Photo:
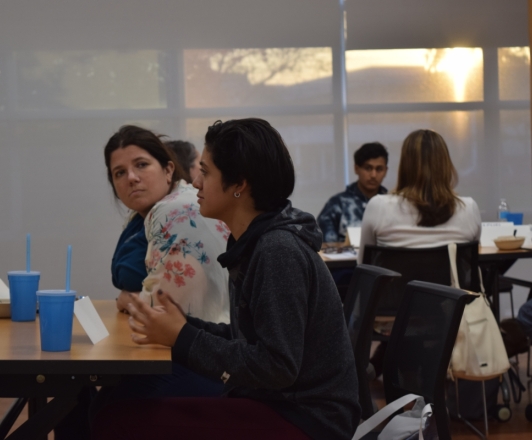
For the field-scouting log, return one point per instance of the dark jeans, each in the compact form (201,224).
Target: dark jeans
(193,418)
(342,278)
(181,383)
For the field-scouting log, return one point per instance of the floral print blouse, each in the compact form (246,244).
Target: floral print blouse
(183,247)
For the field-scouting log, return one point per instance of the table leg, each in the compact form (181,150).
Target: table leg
(43,418)
(495,295)
(491,284)
(11,416)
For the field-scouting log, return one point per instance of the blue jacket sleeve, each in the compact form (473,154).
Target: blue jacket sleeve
(128,267)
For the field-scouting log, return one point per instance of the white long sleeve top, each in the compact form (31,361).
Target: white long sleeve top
(391,220)
(183,247)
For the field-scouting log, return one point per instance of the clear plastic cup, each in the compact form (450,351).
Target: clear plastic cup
(22,290)
(56,314)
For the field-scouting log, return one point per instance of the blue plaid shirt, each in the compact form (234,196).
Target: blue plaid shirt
(343,210)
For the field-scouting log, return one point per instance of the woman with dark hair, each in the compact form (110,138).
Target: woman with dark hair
(168,239)
(166,244)
(286,359)
(181,245)
(423,210)
(187,156)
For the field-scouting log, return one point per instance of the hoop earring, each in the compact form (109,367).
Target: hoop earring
(237,195)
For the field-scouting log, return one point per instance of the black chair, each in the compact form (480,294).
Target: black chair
(506,286)
(421,345)
(423,264)
(360,305)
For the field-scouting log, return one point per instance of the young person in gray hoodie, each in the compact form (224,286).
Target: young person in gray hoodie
(285,358)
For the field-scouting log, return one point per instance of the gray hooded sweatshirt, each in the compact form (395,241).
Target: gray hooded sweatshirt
(287,344)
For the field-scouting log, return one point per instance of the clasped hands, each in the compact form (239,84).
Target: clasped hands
(155,325)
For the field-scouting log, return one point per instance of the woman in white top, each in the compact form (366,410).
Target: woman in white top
(423,210)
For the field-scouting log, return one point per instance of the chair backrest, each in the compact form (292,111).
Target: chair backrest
(360,305)
(423,264)
(421,343)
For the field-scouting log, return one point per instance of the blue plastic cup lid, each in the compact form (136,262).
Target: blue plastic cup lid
(16,273)
(56,293)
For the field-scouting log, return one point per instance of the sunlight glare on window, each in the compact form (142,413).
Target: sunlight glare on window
(458,63)
(414,75)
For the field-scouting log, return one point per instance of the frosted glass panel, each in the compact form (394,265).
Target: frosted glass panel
(514,159)
(463,132)
(514,73)
(414,75)
(90,80)
(247,77)
(310,140)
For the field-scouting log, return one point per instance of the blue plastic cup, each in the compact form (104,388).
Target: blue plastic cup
(22,290)
(515,217)
(56,314)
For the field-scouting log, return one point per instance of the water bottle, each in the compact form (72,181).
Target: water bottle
(502,210)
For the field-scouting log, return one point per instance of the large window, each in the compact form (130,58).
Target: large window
(414,75)
(478,99)
(290,87)
(454,92)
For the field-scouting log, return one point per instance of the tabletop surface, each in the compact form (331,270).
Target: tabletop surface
(486,250)
(483,252)
(20,344)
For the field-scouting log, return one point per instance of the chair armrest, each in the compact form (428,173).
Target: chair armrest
(519,282)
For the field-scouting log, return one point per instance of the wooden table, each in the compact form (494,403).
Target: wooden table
(28,372)
(338,264)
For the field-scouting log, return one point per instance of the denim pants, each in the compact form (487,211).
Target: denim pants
(181,383)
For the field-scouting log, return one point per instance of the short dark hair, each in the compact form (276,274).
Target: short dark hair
(147,140)
(252,150)
(185,153)
(371,150)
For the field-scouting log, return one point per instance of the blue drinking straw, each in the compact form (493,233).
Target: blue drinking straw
(28,253)
(69,260)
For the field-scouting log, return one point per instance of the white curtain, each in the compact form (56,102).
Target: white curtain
(73,72)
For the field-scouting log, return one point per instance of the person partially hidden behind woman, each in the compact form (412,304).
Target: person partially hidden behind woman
(286,359)
(423,210)
(187,156)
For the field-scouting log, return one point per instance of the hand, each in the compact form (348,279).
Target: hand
(123,299)
(160,325)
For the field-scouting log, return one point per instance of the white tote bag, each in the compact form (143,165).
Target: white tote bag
(479,349)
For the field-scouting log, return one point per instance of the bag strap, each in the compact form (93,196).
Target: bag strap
(425,414)
(451,248)
(379,417)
